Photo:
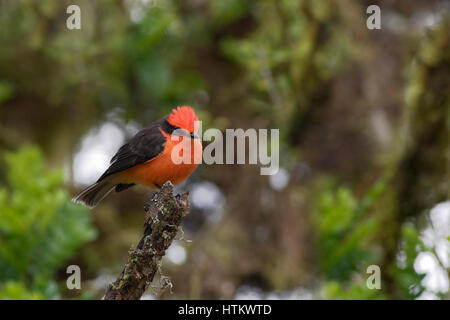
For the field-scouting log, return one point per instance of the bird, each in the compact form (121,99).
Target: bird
(146,159)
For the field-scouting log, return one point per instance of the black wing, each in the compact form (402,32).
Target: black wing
(145,145)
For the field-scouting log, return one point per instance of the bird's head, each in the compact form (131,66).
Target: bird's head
(184,118)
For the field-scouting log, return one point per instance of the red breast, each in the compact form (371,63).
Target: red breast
(161,169)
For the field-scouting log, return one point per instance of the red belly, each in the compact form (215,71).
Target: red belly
(161,169)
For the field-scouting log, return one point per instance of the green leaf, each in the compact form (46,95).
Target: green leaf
(40,228)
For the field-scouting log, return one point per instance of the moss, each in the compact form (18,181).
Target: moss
(163,217)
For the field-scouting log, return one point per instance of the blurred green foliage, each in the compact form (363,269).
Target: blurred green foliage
(287,59)
(345,231)
(309,68)
(345,235)
(341,237)
(40,228)
(409,281)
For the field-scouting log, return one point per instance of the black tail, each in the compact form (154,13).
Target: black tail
(92,195)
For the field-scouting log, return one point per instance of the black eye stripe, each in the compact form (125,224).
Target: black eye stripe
(167,127)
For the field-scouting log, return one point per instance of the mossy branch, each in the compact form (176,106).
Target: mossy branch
(164,214)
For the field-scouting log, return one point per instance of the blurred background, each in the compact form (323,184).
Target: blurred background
(364,119)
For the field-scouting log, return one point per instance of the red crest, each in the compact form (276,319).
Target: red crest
(183,117)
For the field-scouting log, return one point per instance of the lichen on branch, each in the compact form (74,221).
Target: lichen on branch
(164,215)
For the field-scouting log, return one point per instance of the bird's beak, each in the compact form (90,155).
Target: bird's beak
(181,133)
(184,133)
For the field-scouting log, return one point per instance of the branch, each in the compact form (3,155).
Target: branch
(164,214)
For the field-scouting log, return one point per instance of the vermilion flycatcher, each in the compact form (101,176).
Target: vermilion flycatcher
(147,158)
